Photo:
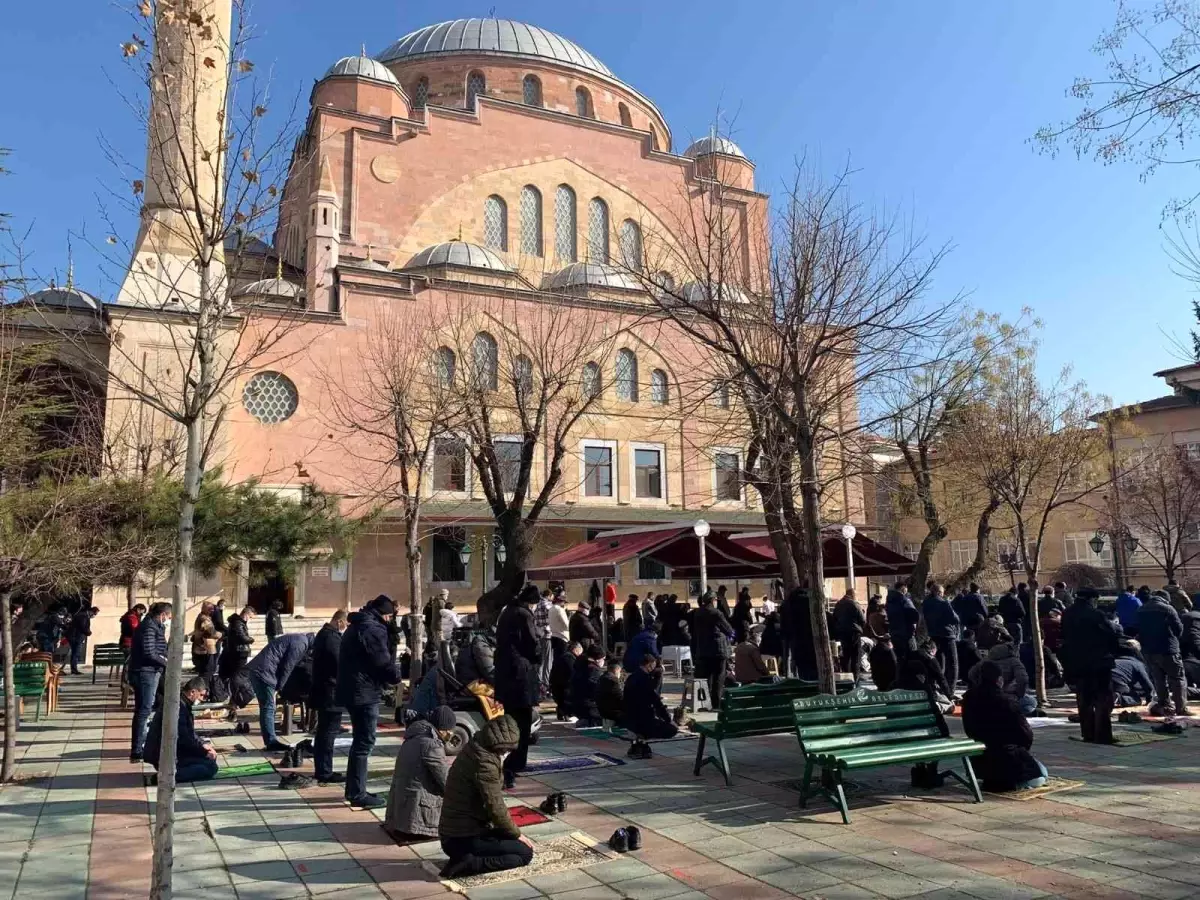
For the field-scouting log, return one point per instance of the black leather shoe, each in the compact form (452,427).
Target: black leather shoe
(560,801)
(619,841)
(634,834)
(549,805)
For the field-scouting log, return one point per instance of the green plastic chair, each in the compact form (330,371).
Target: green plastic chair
(30,679)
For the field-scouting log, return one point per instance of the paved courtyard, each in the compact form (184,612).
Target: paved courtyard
(78,826)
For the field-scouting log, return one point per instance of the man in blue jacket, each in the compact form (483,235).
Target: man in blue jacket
(269,671)
(195,759)
(365,667)
(902,618)
(1128,604)
(970,608)
(147,661)
(941,621)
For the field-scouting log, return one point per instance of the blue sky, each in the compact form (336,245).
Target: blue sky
(934,101)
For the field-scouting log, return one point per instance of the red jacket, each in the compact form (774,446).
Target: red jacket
(129,624)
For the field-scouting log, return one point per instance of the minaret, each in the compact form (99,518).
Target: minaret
(185,159)
(324,228)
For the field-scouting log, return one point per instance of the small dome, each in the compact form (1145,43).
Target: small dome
(459,253)
(278,288)
(708,145)
(695,293)
(593,274)
(62,298)
(362,67)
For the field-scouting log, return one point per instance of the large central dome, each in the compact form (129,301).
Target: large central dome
(502,37)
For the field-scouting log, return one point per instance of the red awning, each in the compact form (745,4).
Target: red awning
(870,557)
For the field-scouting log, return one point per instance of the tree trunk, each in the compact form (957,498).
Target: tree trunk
(10,692)
(164,809)
(1035,628)
(514,535)
(412,551)
(815,571)
(131,592)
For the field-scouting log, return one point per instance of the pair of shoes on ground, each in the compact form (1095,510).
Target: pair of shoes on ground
(1168,728)
(332,778)
(295,780)
(367,801)
(240,727)
(625,839)
(1128,717)
(554,803)
(640,750)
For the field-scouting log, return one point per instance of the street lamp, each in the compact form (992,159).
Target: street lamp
(464,554)
(701,531)
(1097,543)
(501,550)
(848,532)
(1131,545)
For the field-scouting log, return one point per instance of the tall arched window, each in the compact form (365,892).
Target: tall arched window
(485,359)
(627,376)
(660,393)
(591,381)
(623,112)
(523,378)
(564,224)
(444,364)
(495,223)
(653,139)
(476,85)
(531,90)
(531,220)
(631,245)
(597,231)
(583,103)
(421,93)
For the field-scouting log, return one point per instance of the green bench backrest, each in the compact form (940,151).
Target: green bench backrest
(756,707)
(108,655)
(863,718)
(29,674)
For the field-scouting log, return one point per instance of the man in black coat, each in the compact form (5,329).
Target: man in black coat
(970,607)
(995,719)
(518,655)
(1013,612)
(644,712)
(364,669)
(1189,645)
(581,628)
(78,632)
(848,626)
(195,759)
(1159,630)
(942,624)
(711,646)
(1088,651)
(326,649)
(903,617)
(631,618)
(147,662)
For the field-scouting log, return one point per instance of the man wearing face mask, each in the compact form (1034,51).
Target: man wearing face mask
(477,832)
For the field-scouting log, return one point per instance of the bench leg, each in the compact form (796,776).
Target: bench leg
(840,799)
(724,763)
(808,773)
(700,755)
(971,782)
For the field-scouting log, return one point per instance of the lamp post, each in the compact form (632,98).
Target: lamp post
(848,532)
(701,530)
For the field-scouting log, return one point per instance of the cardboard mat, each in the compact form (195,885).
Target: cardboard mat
(1052,786)
(557,854)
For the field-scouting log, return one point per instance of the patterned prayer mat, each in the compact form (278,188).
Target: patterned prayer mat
(572,763)
(1052,786)
(620,734)
(556,854)
(1133,738)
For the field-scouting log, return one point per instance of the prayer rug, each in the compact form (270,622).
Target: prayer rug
(557,854)
(620,734)
(1133,738)
(247,771)
(572,763)
(1052,786)
(524,816)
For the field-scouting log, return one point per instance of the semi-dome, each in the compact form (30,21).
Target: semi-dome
(500,37)
(696,293)
(279,288)
(362,67)
(459,253)
(61,298)
(708,145)
(590,274)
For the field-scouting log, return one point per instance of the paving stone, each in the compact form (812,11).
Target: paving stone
(513,890)
(619,870)
(799,879)
(651,887)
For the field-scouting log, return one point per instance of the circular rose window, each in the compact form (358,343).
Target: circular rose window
(270,397)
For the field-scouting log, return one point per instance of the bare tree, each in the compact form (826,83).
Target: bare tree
(1160,505)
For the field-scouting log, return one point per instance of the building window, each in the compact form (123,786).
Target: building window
(1077,550)
(508,461)
(597,231)
(485,359)
(583,103)
(444,362)
(531,90)
(912,551)
(495,223)
(727,472)
(631,245)
(447,562)
(962,554)
(531,220)
(421,93)
(1192,450)
(597,471)
(651,570)
(591,381)
(627,376)
(647,474)
(270,397)
(720,394)
(623,112)
(564,224)
(476,85)
(522,378)
(653,139)
(660,392)
(449,464)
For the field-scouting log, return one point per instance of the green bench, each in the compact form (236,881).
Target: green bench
(748,711)
(31,679)
(869,729)
(110,655)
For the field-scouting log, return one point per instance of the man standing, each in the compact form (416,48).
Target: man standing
(274,621)
(1128,604)
(582,629)
(560,625)
(517,667)
(541,622)
(195,759)
(269,671)
(848,625)
(326,649)
(902,618)
(941,621)
(970,608)
(147,662)
(711,647)
(364,668)
(129,624)
(1013,611)
(1159,630)
(1089,649)
(78,632)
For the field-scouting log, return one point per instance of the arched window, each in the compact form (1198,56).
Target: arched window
(495,223)
(623,112)
(631,245)
(591,381)
(420,93)
(597,231)
(523,378)
(531,89)
(485,359)
(627,376)
(660,393)
(653,139)
(564,224)
(444,364)
(583,103)
(531,220)
(476,85)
